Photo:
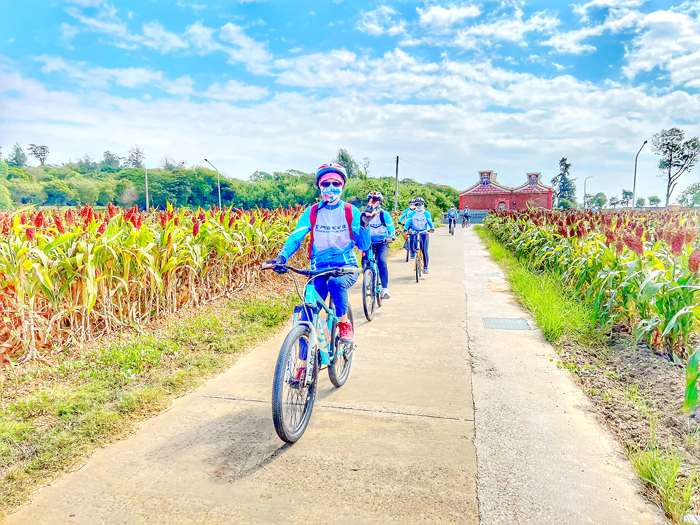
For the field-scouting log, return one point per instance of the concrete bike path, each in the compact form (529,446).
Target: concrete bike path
(394,444)
(542,455)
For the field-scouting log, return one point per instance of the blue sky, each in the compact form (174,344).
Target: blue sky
(452,87)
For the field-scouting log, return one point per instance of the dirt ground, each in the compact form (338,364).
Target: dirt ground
(639,395)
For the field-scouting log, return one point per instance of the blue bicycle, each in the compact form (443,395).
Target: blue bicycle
(371,285)
(312,343)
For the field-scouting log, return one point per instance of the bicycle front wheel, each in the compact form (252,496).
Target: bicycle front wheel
(339,370)
(292,399)
(368,297)
(419,264)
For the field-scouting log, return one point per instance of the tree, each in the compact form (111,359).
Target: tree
(587,200)
(110,160)
(641,202)
(169,163)
(677,156)
(18,158)
(41,153)
(600,199)
(626,197)
(614,202)
(564,187)
(86,165)
(346,161)
(690,196)
(366,164)
(135,157)
(654,200)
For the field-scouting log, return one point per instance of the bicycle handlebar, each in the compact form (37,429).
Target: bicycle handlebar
(315,273)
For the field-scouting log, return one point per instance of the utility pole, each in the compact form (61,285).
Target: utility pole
(218,180)
(396,187)
(146,174)
(634,186)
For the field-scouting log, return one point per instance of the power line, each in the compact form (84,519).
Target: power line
(431,171)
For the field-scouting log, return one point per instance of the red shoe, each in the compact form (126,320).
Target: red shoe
(347,334)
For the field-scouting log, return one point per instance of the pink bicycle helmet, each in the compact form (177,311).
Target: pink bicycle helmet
(331,167)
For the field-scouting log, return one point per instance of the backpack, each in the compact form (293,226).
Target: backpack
(314,215)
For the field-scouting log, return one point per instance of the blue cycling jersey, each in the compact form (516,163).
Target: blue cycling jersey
(419,221)
(378,231)
(452,214)
(404,215)
(333,246)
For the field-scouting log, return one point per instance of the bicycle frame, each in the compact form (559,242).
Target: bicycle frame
(370,260)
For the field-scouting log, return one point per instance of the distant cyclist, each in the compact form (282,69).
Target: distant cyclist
(336,228)
(402,221)
(452,217)
(466,216)
(382,231)
(419,220)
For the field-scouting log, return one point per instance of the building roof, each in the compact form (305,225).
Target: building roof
(487,185)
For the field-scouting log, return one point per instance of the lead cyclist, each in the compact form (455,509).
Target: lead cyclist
(338,228)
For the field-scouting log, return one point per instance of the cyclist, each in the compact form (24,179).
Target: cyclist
(382,231)
(420,221)
(452,217)
(466,216)
(336,228)
(403,219)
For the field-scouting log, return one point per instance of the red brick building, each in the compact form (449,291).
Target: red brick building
(487,194)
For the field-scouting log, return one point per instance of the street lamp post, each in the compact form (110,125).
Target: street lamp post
(634,185)
(584,189)
(218,180)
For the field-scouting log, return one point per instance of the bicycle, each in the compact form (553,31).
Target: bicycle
(371,285)
(313,342)
(466,222)
(452,226)
(414,240)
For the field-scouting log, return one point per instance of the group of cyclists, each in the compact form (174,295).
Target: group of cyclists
(337,227)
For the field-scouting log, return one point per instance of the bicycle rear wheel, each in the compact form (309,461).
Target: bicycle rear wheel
(368,297)
(339,370)
(292,401)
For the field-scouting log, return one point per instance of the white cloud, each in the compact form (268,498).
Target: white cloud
(234,90)
(436,16)
(668,40)
(100,77)
(68,32)
(157,37)
(86,3)
(583,9)
(513,28)
(195,6)
(252,53)
(382,20)
(572,41)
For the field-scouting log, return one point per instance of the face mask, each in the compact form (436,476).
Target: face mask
(419,208)
(412,206)
(330,193)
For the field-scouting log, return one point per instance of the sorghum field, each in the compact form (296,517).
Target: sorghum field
(639,269)
(70,276)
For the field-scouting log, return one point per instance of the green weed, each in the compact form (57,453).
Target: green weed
(662,472)
(103,393)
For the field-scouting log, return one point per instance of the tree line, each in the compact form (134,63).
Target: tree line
(678,156)
(122,180)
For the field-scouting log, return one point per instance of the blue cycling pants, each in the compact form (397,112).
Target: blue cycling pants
(381,254)
(338,289)
(422,237)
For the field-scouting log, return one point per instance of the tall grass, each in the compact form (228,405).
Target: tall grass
(559,312)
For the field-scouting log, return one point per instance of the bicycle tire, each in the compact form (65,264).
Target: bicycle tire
(378,288)
(280,401)
(408,252)
(339,375)
(368,295)
(418,264)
